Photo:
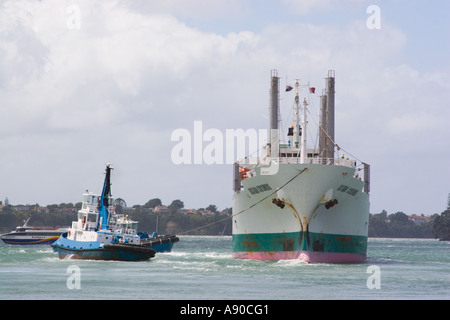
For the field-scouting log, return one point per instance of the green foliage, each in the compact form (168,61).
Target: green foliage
(398,225)
(153,203)
(441,226)
(175,205)
(212,208)
(176,223)
(10,220)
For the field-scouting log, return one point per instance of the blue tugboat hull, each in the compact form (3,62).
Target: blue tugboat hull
(166,247)
(159,243)
(94,250)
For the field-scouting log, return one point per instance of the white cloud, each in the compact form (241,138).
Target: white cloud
(203,9)
(307,6)
(116,88)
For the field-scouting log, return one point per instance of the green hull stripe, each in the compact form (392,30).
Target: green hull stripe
(299,241)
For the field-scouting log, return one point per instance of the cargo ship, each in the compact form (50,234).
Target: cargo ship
(298,201)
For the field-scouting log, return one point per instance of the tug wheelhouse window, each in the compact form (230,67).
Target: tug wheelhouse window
(92,217)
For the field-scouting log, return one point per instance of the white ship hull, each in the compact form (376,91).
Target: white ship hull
(304,229)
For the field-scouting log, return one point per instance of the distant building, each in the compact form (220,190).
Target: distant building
(419,219)
(42,210)
(161,209)
(21,208)
(67,210)
(205,212)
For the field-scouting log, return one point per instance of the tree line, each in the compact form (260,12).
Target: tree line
(194,222)
(398,225)
(169,223)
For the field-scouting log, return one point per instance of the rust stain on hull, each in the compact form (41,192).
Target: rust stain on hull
(297,216)
(346,239)
(288,244)
(250,244)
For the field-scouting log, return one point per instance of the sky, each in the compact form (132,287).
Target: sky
(84,83)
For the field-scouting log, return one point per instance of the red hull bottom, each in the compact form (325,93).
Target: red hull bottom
(305,256)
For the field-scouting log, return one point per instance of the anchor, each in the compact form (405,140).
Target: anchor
(279,203)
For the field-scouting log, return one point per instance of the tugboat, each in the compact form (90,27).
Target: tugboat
(100,233)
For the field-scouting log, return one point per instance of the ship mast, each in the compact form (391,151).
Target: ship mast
(104,200)
(303,152)
(296,123)
(299,132)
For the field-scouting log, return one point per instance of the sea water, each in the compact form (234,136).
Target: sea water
(202,268)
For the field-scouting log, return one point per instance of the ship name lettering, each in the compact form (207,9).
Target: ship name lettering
(350,191)
(260,188)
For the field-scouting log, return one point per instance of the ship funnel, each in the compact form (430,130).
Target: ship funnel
(326,139)
(274,144)
(330,107)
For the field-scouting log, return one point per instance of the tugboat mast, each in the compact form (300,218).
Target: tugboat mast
(104,200)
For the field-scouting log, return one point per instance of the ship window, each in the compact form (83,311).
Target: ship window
(92,199)
(92,217)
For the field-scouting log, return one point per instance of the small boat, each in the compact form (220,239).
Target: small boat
(162,243)
(27,235)
(100,233)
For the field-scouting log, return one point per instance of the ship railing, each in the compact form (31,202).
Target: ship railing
(317,160)
(252,162)
(362,170)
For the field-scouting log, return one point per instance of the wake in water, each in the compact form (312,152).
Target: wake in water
(203,268)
